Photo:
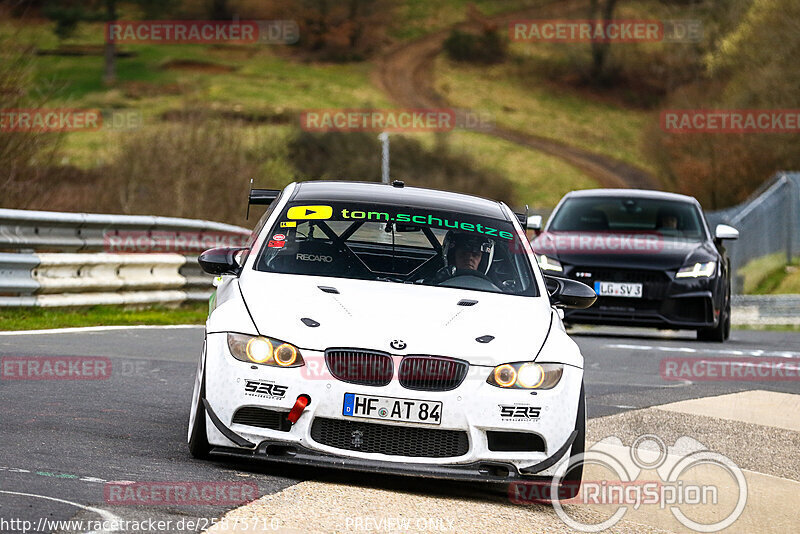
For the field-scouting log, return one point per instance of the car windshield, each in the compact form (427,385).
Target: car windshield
(398,244)
(670,218)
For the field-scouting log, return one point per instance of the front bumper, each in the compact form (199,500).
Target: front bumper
(687,311)
(472,409)
(666,302)
(491,472)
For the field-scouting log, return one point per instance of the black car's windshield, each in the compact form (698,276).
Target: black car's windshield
(398,244)
(670,218)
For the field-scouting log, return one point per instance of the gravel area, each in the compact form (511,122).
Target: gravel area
(763,449)
(316,507)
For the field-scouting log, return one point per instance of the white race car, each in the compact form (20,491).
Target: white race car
(390,329)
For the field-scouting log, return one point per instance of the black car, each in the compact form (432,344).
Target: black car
(649,256)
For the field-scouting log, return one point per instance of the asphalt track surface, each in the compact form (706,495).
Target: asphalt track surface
(64,439)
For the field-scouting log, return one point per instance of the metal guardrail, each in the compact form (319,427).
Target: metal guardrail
(80,259)
(768,223)
(765,309)
(93,232)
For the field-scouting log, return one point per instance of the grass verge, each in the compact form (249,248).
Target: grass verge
(769,275)
(769,327)
(527,104)
(43,318)
(538,179)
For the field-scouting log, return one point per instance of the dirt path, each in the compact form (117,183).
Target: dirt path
(406,74)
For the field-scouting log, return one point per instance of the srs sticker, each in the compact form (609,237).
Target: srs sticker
(288,224)
(279,237)
(510,412)
(310,212)
(264,389)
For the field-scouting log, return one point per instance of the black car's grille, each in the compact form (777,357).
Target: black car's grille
(431,373)
(363,367)
(389,439)
(623,304)
(625,275)
(655,283)
(262,418)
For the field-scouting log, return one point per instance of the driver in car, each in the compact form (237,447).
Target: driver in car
(667,220)
(467,257)
(465,254)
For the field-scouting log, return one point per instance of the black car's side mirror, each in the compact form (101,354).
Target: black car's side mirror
(566,293)
(219,261)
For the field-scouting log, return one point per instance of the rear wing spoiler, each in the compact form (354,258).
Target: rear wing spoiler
(260,197)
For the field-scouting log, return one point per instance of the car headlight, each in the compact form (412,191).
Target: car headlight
(526,375)
(549,264)
(698,270)
(264,350)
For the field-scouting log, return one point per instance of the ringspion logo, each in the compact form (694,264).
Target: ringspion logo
(687,479)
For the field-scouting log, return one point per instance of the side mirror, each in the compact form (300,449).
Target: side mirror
(566,293)
(219,261)
(723,231)
(534,223)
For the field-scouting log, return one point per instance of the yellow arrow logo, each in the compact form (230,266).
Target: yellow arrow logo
(309,212)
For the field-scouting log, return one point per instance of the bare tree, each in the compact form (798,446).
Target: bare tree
(110,50)
(600,48)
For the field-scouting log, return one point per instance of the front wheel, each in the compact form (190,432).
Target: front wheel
(722,331)
(198,439)
(570,484)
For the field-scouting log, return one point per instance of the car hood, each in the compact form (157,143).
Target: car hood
(608,249)
(370,315)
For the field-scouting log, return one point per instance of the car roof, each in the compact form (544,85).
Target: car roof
(379,193)
(637,193)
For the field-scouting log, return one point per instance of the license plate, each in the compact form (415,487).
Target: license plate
(616,289)
(392,409)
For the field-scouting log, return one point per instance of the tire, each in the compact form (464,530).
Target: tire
(198,443)
(570,484)
(722,331)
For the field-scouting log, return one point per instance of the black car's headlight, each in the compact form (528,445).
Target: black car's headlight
(547,263)
(264,351)
(526,375)
(698,270)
